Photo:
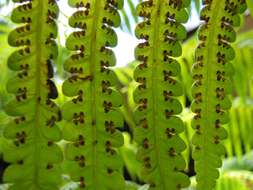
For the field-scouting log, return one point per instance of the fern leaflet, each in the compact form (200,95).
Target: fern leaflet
(32,130)
(158,126)
(212,72)
(92,116)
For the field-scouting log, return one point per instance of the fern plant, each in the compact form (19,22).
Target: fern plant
(212,72)
(158,126)
(92,116)
(32,129)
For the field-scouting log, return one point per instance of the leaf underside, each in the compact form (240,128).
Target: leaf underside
(158,126)
(32,130)
(92,115)
(212,72)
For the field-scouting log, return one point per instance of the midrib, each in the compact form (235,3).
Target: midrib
(39,22)
(209,62)
(155,65)
(93,62)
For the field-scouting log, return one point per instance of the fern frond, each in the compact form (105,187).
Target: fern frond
(93,114)
(158,125)
(33,153)
(212,75)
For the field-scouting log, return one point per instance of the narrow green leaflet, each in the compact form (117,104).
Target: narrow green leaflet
(92,115)
(158,126)
(32,129)
(212,72)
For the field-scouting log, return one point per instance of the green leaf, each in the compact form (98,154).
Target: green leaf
(197,5)
(157,125)
(126,19)
(92,115)
(32,130)
(132,9)
(212,72)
